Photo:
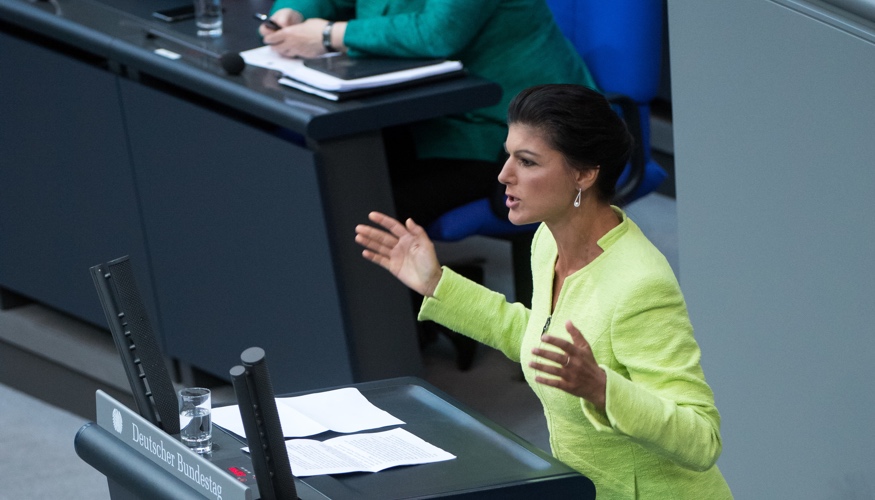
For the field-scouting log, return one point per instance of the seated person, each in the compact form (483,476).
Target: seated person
(446,162)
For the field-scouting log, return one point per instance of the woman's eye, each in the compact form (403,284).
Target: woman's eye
(526,162)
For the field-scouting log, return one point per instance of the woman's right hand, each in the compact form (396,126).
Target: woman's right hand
(402,249)
(282,17)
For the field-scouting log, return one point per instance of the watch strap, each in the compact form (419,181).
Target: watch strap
(326,37)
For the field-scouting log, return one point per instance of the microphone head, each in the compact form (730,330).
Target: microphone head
(232,63)
(252,356)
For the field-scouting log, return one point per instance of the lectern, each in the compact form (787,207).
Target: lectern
(491,463)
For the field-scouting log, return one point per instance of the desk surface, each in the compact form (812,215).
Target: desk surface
(116,29)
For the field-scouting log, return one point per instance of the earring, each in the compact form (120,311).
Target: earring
(577,198)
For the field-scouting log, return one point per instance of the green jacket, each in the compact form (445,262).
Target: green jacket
(659,436)
(514,43)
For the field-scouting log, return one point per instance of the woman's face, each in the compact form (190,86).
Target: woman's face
(539,185)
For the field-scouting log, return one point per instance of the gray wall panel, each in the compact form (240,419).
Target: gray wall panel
(773,129)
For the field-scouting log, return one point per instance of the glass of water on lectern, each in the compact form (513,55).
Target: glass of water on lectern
(195,419)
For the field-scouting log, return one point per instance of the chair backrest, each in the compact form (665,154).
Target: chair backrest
(620,41)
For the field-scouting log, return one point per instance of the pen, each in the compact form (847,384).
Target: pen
(267,21)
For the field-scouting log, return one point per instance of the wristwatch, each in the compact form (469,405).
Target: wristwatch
(326,37)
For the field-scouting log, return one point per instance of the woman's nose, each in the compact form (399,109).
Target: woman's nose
(506,174)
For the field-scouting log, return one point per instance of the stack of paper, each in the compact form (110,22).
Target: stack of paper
(345,411)
(297,75)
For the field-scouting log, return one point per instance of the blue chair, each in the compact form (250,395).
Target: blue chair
(621,42)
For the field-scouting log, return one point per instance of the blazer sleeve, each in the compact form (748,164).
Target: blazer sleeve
(441,29)
(478,312)
(656,392)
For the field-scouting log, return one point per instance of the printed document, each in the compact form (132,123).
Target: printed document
(361,453)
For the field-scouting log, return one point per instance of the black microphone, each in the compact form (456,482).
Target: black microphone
(231,62)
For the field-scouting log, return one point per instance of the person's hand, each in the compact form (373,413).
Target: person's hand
(579,373)
(282,18)
(302,39)
(402,249)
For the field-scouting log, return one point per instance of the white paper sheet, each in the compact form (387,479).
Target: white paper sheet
(370,452)
(342,410)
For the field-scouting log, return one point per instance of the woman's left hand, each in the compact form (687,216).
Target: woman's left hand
(578,372)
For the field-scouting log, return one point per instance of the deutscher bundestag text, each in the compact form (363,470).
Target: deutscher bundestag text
(192,472)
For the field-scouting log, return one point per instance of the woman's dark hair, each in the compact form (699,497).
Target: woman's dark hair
(579,123)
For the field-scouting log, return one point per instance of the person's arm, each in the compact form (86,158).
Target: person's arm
(657,395)
(443,28)
(478,312)
(303,39)
(450,299)
(302,26)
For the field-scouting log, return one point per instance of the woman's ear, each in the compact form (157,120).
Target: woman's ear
(586,178)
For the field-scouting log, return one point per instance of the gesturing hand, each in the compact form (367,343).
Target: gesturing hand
(404,250)
(579,373)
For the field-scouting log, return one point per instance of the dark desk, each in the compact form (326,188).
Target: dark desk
(235,197)
(491,462)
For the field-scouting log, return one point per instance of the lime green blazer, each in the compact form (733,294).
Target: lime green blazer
(659,436)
